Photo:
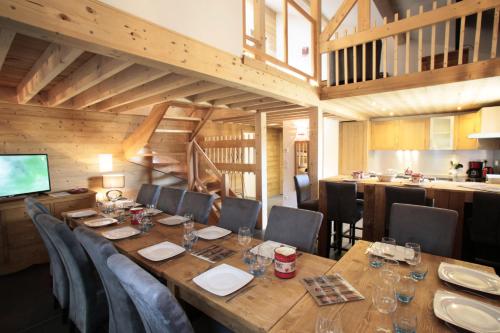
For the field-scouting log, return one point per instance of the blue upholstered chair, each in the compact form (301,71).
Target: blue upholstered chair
(198,204)
(87,302)
(433,228)
(60,284)
(158,308)
(123,316)
(148,194)
(170,200)
(295,227)
(237,212)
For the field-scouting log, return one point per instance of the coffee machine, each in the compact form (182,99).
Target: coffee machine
(475,172)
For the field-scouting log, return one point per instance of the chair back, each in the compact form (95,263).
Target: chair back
(302,188)
(148,194)
(198,204)
(295,227)
(341,202)
(87,309)
(237,212)
(485,226)
(60,284)
(158,308)
(123,316)
(170,200)
(404,195)
(433,228)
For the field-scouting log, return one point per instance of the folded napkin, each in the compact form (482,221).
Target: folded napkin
(399,253)
(82,213)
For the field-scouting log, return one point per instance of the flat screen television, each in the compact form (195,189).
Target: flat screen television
(23,174)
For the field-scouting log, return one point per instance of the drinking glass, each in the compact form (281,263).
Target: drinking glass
(189,216)
(120,213)
(189,240)
(389,277)
(108,207)
(188,226)
(412,254)
(256,265)
(404,320)
(244,238)
(326,324)
(150,208)
(384,298)
(388,246)
(418,271)
(375,258)
(392,265)
(264,251)
(405,289)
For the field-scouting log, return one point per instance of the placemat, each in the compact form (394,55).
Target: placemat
(213,253)
(331,289)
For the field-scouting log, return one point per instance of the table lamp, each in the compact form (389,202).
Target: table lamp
(113,181)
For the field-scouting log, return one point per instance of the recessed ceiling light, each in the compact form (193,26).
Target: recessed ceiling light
(391,114)
(459,108)
(373,103)
(384,109)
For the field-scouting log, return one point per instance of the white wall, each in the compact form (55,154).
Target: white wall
(330,147)
(429,162)
(215,22)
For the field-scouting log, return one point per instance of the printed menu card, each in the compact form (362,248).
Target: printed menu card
(331,289)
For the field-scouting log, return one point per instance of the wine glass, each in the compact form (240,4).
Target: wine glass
(326,324)
(412,254)
(244,238)
(189,240)
(150,209)
(384,298)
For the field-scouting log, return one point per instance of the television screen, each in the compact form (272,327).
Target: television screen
(23,174)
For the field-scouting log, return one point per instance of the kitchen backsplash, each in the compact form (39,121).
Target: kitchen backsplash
(430,162)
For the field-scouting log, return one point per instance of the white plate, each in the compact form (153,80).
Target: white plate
(173,220)
(223,280)
(212,232)
(399,252)
(121,233)
(469,278)
(82,213)
(269,247)
(466,313)
(100,222)
(161,251)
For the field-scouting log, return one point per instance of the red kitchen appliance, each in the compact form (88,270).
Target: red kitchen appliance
(475,171)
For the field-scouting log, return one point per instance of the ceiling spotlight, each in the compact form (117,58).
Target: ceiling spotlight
(391,114)
(459,108)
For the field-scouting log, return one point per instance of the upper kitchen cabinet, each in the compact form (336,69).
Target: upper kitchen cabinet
(441,133)
(384,135)
(466,124)
(404,134)
(353,146)
(413,134)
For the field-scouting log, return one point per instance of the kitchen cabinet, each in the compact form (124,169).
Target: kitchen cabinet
(413,134)
(353,146)
(466,124)
(441,135)
(384,135)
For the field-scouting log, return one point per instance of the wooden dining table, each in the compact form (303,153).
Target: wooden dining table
(361,316)
(257,309)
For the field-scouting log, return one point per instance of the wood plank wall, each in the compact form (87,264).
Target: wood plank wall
(274,161)
(73,140)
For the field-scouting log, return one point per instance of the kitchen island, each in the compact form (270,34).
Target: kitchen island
(445,194)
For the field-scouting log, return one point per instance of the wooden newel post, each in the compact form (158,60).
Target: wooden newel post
(261,166)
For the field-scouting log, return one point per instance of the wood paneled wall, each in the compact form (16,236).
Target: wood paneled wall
(274,161)
(74,139)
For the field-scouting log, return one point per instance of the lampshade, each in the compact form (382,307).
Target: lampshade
(113,181)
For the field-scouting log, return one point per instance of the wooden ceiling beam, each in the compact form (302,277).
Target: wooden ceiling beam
(189,90)
(337,20)
(125,80)
(94,71)
(6,38)
(51,63)
(216,94)
(252,102)
(161,85)
(277,104)
(128,37)
(284,108)
(236,99)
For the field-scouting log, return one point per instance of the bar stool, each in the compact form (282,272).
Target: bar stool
(303,190)
(484,229)
(404,195)
(343,207)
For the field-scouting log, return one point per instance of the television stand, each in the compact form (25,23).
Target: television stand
(20,243)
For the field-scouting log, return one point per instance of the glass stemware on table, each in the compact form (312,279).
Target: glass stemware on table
(189,235)
(244,239)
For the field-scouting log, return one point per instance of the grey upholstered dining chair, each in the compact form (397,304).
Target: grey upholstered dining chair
(295,227)
(123,316)
(158,308)
(87,302)
(303,191)
(198,204)
(404,195)
(237,212)
(170,200)
(148,194)
(60,284)
(433,228)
